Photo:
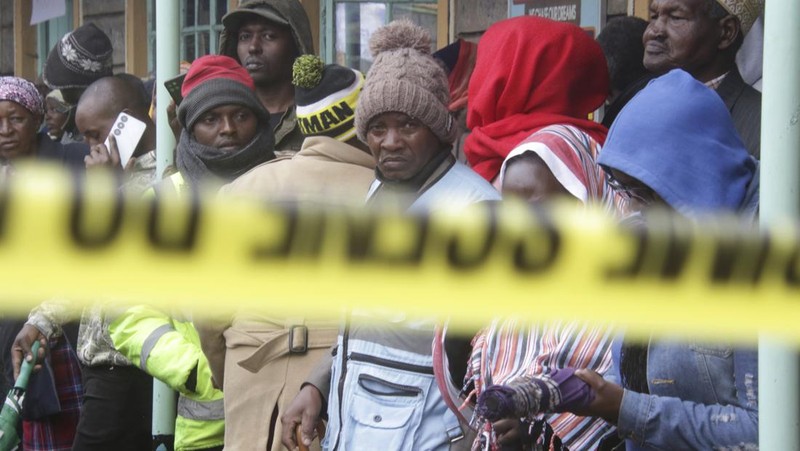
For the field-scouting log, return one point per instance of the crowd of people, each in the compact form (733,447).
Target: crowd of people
(513,116)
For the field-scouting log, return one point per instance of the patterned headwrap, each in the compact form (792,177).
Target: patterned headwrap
(22,92)
(746,10)
(571,156)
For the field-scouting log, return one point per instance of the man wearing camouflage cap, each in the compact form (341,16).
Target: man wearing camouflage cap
(702,38)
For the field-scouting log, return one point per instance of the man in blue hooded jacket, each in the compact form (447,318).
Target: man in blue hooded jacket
(675,146)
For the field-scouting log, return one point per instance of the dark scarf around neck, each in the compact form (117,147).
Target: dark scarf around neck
(198,162)
(412,188)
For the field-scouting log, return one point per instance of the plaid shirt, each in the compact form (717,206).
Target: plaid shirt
(56,432)
(142,175)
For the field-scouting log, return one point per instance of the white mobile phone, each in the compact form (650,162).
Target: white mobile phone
(128,131)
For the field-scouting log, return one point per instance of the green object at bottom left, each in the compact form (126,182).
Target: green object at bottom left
(9,416)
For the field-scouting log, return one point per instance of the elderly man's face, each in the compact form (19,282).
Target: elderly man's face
(401,145)
(681,35)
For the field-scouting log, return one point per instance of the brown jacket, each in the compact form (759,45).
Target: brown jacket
(251,356)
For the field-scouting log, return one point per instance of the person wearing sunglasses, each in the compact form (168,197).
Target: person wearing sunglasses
(675,146)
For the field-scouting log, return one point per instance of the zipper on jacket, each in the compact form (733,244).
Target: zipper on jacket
(342,373)
(422,369)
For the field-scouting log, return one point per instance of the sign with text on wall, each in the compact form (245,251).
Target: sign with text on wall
(559,10)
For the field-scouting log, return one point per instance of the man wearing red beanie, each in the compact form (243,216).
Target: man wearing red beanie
(224,133)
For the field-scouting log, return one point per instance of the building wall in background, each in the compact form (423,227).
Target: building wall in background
(109,16)
(472,17)
(460,18)
(6,38)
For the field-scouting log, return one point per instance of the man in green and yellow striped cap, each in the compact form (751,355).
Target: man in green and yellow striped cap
(326,98)
(333,165)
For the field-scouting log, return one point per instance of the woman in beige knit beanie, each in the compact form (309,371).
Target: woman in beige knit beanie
(405,78)
(403,117)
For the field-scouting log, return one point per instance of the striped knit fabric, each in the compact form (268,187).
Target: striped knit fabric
(571,156)
(507,350)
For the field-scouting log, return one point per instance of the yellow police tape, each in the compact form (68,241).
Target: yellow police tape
(77,239)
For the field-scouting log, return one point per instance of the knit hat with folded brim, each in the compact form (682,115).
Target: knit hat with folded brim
(213,81)
(326,97)
(746,10)
(405,78)
(80,58)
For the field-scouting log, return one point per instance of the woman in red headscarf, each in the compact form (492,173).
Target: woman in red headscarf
(534,85)
(531,73)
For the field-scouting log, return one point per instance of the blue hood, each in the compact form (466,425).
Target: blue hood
(677,137)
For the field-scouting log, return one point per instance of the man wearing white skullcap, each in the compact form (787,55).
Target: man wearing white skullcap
(702,37)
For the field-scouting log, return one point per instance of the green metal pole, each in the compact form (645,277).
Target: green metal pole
(164,413)
(167,63)
(328,30)
(779,366)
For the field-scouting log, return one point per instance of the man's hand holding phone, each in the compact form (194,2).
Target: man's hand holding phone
(105,154)
(120,145)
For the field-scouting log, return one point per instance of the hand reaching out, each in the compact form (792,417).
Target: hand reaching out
(607,397)
(305,411)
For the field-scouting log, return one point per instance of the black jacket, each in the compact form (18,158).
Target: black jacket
(744,103)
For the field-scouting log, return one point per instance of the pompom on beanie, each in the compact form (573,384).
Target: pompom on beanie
(326,97)
(405,78)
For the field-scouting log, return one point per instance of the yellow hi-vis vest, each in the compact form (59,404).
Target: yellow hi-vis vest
(169,350)
(175,182)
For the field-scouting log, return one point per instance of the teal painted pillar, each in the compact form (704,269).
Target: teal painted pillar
(167,49)
(167,63)
(779,366)
(328,18)
(164,413)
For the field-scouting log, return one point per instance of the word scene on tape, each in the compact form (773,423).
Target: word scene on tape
(78,237)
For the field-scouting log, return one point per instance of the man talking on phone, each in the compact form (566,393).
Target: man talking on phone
(96,117)
(117,407)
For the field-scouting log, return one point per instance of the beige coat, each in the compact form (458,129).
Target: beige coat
(324,170)
(250,355)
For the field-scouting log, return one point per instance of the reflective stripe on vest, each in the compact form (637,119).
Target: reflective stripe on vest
(201,410)
(150,343)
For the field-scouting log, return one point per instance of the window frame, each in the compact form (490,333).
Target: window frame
(213,29)
(328,22)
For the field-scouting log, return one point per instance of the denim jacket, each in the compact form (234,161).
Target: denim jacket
(702,396)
